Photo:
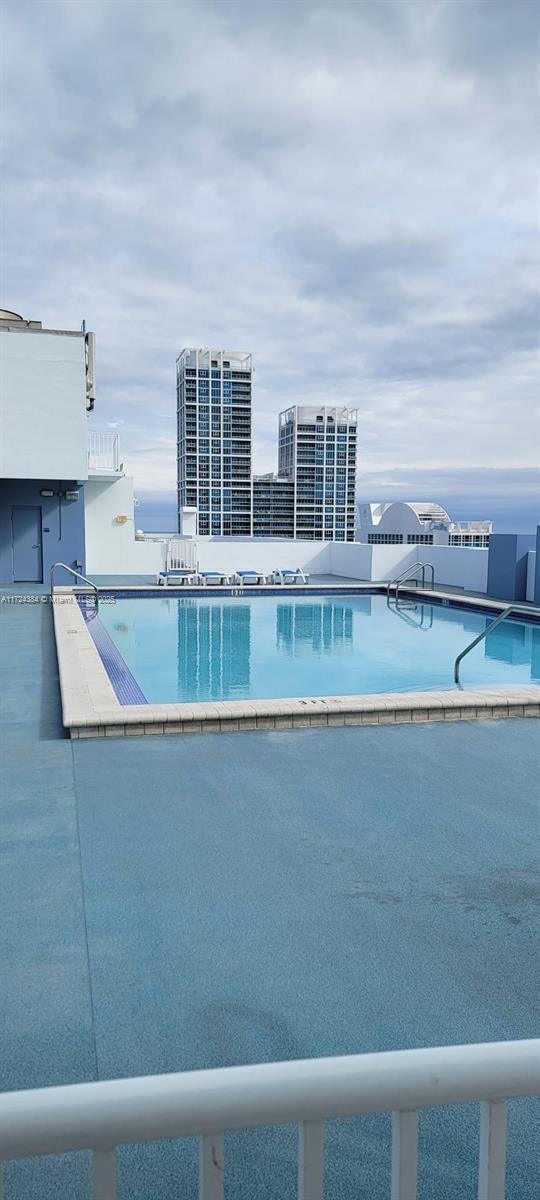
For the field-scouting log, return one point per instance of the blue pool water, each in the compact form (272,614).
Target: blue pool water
(197,648)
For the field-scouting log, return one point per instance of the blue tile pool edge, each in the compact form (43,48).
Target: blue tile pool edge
(124,683)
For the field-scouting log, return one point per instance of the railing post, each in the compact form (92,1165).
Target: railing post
(492,1161)
(211,1167)
(311,1160)
(104,1168)
(404,1155)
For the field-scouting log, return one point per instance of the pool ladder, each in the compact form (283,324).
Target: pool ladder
(408,575)
(77,575)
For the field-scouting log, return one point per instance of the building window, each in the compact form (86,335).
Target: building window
(420,539)
(476,541)
(385,539)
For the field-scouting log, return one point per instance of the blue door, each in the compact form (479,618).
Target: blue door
(26,535)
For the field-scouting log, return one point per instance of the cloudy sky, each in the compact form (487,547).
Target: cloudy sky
(346,189)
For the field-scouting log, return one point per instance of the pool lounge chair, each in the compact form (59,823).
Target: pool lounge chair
(289,575)
(221,576)
(256,576)
(176,578)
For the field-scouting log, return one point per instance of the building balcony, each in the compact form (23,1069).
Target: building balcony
(483,528)
(104,455)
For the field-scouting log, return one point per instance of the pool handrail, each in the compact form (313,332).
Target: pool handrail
(77,575)
(510,608)
(408,574)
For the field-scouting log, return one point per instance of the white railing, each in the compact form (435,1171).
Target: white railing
(102,1116)
(478,527)
(104,452)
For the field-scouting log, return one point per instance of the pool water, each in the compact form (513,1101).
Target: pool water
(195,648)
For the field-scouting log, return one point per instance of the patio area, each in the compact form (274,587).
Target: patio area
(171,904)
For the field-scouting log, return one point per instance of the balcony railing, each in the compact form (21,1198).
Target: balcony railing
(478,527)
(101,1116)
(104,453)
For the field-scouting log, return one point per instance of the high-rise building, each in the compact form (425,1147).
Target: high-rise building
(214,439)
(317,451)
(273,506)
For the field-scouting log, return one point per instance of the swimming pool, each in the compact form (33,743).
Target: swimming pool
(195,648)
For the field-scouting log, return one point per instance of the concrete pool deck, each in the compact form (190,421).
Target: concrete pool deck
(91,708)
(276,896)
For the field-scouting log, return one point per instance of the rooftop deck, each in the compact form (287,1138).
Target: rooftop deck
(274,895)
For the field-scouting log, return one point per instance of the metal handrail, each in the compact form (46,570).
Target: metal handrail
(392,582)
(425,565)
(511,608)
(408,574)
(77,575)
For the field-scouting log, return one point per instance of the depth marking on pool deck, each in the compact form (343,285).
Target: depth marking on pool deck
(90,707)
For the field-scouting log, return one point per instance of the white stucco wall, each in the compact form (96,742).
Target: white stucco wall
(454,565)
(351,559)
(389,561)
(111,548)
(458,566)
(42,406)
(263,554)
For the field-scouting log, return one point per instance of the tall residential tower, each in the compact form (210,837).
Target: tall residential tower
(317,450)
(214,439)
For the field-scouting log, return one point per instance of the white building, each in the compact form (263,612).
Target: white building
(64,496)
(273,506)
(317,450)
(46,390)
(214,440)
(418,524)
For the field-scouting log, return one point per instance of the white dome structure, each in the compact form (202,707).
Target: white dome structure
(413,522)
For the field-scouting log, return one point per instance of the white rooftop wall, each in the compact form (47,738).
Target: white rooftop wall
(43,405)
(458,567)
(111,548)
(263,554)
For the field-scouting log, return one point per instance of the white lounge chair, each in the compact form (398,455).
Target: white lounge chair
(244,576)
(289,575)
(221,576)
(177,578)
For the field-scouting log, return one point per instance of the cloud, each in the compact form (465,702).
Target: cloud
(345,190)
